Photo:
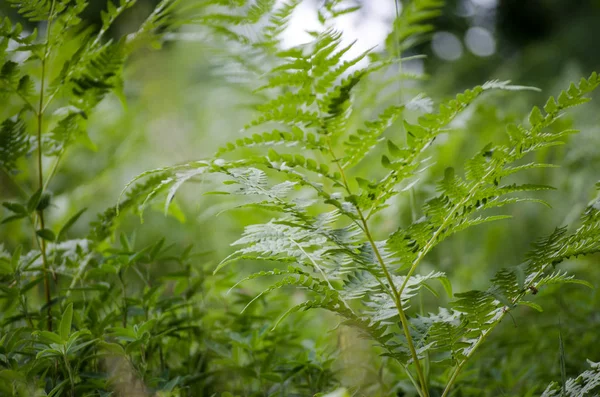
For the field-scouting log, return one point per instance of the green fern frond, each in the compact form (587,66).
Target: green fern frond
(405,160)
(112,12)
(560,246)
(462,198)
(14,143)
(96,74)
(309,96)
(409,29)
(360,143)
(67,130)
(35,10)
(586,384)
(278,22)
(296,138)
(381,306)
(13,81)
(481,311)
(104,226)
(561,277)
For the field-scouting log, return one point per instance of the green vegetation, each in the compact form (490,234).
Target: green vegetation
(363,218)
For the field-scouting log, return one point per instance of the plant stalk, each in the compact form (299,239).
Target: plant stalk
(397,297)
(484,335)
(40,120)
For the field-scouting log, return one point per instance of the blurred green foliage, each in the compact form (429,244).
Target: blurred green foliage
(183,333)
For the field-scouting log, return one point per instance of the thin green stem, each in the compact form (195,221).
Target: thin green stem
(398,302)
(70,373)
(124,307)
(423,391)
(460,366)
(431,242)
(484,335)
(40,120)
(427,360)
(53,169)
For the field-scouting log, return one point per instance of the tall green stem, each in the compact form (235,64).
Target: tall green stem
(396,295)
(485,334)
(40,120)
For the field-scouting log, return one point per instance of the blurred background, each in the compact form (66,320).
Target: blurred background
(181,106)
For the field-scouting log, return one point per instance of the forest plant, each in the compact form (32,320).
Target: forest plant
(87,317)
(302,169)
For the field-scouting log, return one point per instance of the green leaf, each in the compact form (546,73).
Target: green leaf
(385,161)
(532,305)
(170,385)
(124,242)
(33,201)
(535,117)
(44,202)
(447,285)
(394,150)
(65,322)
(16,257)
(113,348)
(48,337)
(68,224)
(580,282)
(146,327)
(46,234)
(551,106)
(12,218)
(15,207)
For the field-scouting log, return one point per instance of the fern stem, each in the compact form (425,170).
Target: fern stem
(484,335)
(430,243)
(398,301)
(53,169)
(460,366)
(310,258)
(40,119)
(397,297)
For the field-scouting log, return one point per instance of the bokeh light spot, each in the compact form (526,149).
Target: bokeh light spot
(446,46)
(480,41)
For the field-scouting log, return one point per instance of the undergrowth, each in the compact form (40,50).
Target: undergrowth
(329,156)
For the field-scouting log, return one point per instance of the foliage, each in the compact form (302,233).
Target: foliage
(327,156)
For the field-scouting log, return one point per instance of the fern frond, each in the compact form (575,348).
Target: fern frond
(278,22)
(295,138)
(34,10)
(66,131)
(405,160)
(586,384)
(381,306)
(111,13)
(409,29)
(104,226)
(14,143)
(481,311)
(561,277)
(462,198)
(360,143)
(95,74)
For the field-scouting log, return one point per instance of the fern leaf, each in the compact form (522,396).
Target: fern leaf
(295,138)
(360,143)
(586,384)
(413,23)
(34,10)
(14,143)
